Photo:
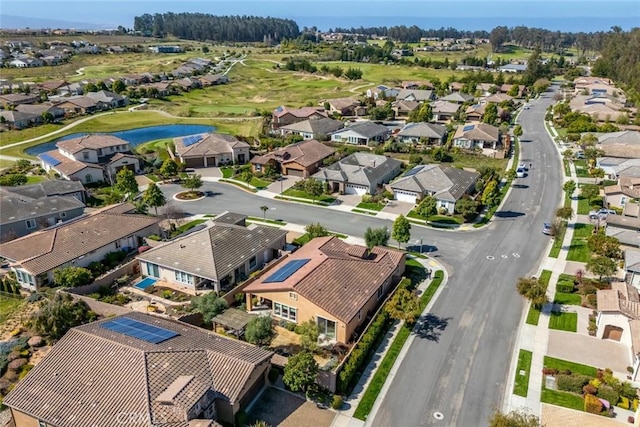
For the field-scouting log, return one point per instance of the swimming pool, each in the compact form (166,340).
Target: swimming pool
(146,282)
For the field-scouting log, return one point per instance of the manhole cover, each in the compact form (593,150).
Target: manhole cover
(489,257)
(438,416)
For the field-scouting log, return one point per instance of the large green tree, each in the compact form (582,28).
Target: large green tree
(602,266)
(490,115)
(309,334)
(126,183)
(56,315)
(192,182)
(153,197)
(403,305)
(259,330)
(209,306)
(427,207)
(376,237)
(513,419)
(401,232)
(316,230)
(300,371)
(533,290)
(71,277)
(169,168)
(603,245)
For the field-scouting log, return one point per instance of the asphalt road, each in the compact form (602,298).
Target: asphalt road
(459,364)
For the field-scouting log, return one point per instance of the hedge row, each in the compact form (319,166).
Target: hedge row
(565,286)
(360,353)
(572,383)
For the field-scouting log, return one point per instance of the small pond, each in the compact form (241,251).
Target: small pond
(134,137)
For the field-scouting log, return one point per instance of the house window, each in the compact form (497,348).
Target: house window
(85,155)
(623,200)
(379,293)
(326,327)
(359,314)
(118,244)
(183,277)
(24,277)
(285,312)
(293,296)
(253,262)
(153,270)
(30,223)
(88,178)
(258,168)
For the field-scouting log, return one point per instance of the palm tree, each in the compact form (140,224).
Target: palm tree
(264,210)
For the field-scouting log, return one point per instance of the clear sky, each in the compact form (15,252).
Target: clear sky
(583,15)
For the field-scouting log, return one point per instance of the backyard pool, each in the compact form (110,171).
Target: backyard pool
(134,137)
(146,282)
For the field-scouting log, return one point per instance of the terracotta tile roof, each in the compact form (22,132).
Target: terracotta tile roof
(333,279)
(621,298)
(210,144)
(479,132)
(92,142)
(48,249)
(128,375)
(554,416)
(306,153)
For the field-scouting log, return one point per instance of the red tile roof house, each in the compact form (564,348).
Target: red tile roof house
(330,282)
(140,370)
(211,149)
(283,116)
(78,242)
(300,159)
(216,257)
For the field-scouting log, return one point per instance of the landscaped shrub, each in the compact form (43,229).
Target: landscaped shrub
(565,286)
(572,383)
(624,403)
(549,371)
(636,402)
(592,404)
(336,402)
(609,394)
(589,389)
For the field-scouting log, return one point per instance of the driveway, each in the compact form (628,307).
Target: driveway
(280,408)
(601,353)
(286,182)
(396,207)
(349,199)
(209,172)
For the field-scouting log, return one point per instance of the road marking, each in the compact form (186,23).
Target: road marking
(491,258)
(504,256)
(515,255)
(438,415)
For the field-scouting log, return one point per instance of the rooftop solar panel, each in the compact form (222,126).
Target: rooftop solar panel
(468,128)
(49,160)
(414,171)
(140,330)
(191,139)
(284,272)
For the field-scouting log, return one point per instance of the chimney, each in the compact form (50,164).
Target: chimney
(373,164)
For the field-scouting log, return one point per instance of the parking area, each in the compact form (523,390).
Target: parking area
(280,408)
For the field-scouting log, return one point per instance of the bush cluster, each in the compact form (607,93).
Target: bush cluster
(359,354)
(565,286)
(592,404)
(572,383)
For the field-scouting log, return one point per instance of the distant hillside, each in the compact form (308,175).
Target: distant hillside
(201,26)
(17,22)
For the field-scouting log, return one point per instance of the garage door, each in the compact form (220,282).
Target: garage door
(295,172)
(194,162)
(355,189)
(405,196)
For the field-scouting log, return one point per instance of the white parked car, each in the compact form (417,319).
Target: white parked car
(520,172)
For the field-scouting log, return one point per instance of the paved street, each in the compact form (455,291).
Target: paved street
(459,366)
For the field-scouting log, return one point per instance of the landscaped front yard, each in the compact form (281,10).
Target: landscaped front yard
(567,299)
(564,321)
(534,314)
(292,192)
(579,251)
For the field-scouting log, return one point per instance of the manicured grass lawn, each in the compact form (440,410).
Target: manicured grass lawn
(566,277)
(561,398)
(575,368)
(34,179)
(583,206)
(259,183)
(8,306)
(363,212)
(579,251)
(188,226)
(564,322)
(292,192)
(533,316)
(441,219)
(521,385)
(370,206)
(227,172)
(377,382)
(567,299)
(152,177)
(412,214)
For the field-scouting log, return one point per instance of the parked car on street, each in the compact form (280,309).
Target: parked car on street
(520,172)
(547,229)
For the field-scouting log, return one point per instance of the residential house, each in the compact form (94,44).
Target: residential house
(474,113)
(71,89)
(158,89)
(216,257)
(417,95)
(283,116)
(623,144)
(331,283)
(315,128)
(346,107)
(23,214)
(362,133)
(601,108)
(187,83)
(52,86)
(513,68)
(19,120)
(446,184)
(213,79)
(444,111)
(456,86)
(14,99)
(580,83)
(632,267)
(359,173)
(617,195)
(477,136)
(616,167)
(211,149)
(93,148)
(40,109)
(382,92)
(423,133)
(624,228)
(420,84)
(457,97)
(619,319)
(50,188)
(120,161)
(404,108)
(112,99)
(496,98)
(140,369)
(26,62)
(505,88)
(80,105)
(301,159)
(78,243)
(486,89)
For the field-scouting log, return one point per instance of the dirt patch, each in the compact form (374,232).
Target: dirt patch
(280,408)
(17,320)
(285,338)
(259,99)
(189,195)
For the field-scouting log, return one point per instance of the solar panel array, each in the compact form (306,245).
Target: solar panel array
(191,139)
(468,128)
(140,330)
(49,160)
(414,171)
(286,271)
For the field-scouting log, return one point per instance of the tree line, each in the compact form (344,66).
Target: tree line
(201,26)
(620,60)
(412,33)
